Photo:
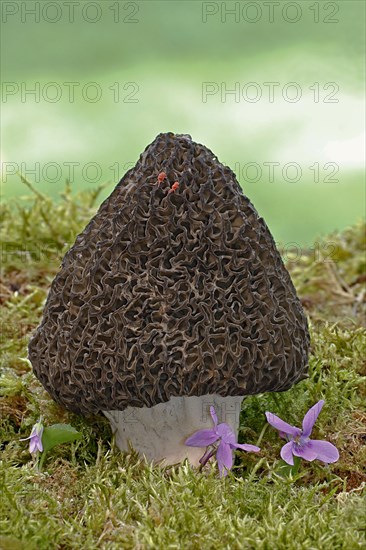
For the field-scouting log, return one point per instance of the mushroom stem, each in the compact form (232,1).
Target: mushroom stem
(159,433)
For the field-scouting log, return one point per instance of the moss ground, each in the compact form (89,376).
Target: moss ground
(91,496)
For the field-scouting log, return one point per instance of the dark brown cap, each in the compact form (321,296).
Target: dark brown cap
(170,290)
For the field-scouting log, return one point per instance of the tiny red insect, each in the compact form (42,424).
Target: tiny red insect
(161,177)
(175,186)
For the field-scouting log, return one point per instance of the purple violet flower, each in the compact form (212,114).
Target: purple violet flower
(35,443)
(299,442)
(224,450)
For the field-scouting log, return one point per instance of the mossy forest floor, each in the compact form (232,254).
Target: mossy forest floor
(91,496)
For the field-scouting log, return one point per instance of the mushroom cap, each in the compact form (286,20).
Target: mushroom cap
(170,294)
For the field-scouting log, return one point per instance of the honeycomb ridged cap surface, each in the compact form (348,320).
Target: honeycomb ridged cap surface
(170,293)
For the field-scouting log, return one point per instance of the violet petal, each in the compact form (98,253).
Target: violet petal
(304,451)
(224,457)
(310,418)
(202,438)
(40,446)
(214,415)
(32,445)
(282,426)
(286,453)
(326,452)
(226,433)
(245,447)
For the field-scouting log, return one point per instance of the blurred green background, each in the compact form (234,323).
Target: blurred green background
(141,68)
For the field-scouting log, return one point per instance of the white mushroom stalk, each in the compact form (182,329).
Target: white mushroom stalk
(159,433)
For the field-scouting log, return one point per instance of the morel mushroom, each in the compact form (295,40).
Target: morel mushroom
(172,299)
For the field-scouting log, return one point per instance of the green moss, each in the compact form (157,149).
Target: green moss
(92,496)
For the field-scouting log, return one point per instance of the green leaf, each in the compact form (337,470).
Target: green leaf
(57,434)
(286,470)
